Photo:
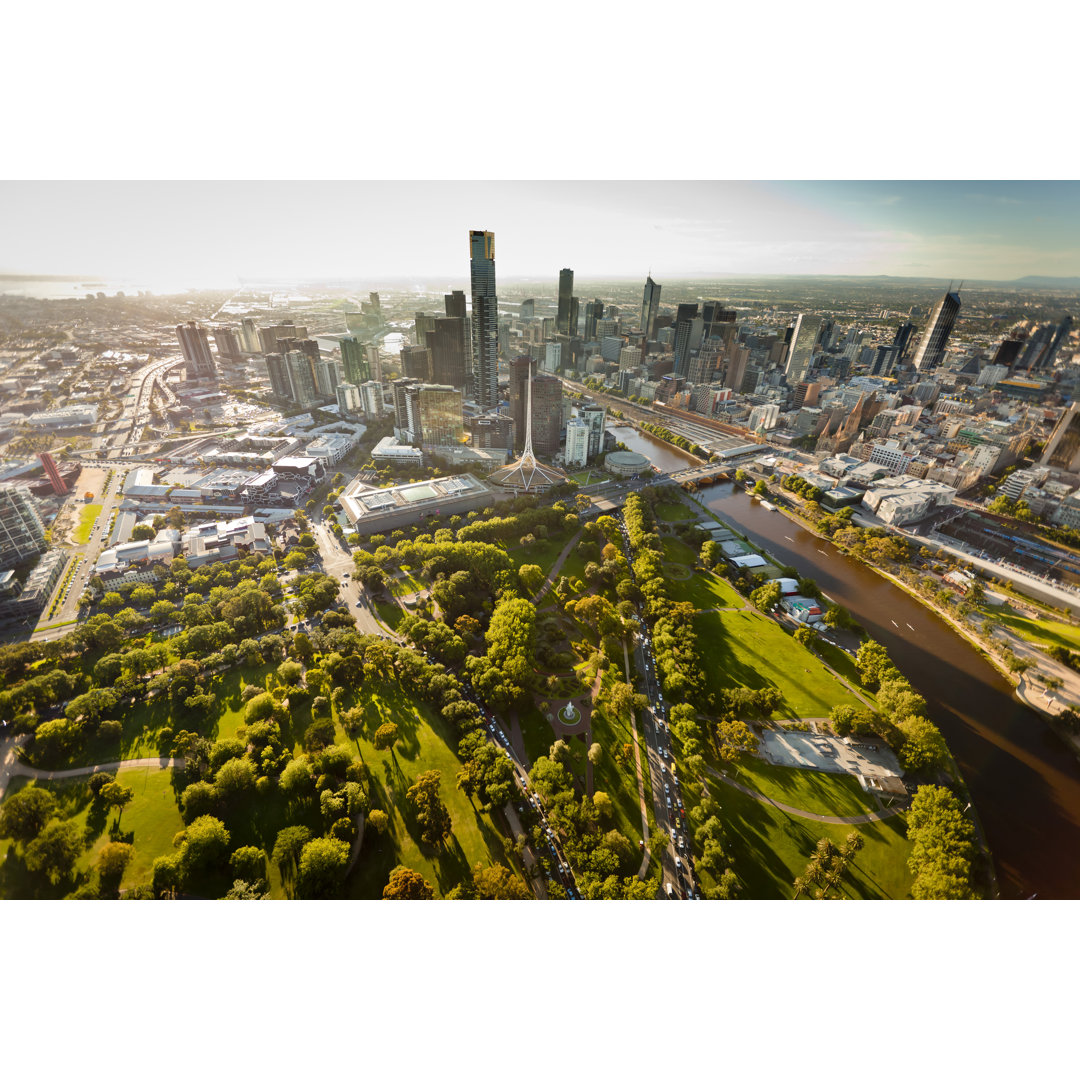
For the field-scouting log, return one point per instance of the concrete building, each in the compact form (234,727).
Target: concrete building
(381,510)
(576,454)
(626,463)
(899,500)
(22,532)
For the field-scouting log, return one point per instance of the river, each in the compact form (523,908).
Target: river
(1024,781)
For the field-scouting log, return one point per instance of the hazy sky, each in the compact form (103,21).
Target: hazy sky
(211,233)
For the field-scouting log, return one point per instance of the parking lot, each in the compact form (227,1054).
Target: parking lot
(827,753)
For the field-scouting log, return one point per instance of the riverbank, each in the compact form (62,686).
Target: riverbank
(985,856)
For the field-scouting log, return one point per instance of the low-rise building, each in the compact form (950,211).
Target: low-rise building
(899,500)
(372,510)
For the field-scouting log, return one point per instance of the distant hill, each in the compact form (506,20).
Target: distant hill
(1049,282)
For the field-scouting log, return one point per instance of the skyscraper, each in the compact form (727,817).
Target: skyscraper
(801,349)
(566,290)
(485,318)
(931,350)
(593,416)
(547,414)
(301,371)
(440,413)
(416,361)
(195,345)
(279,375)
(249,332)
(446,344)
(903,338)
(421,325)
(1063,331)
(650,306)
(1035,349)
(228,346)
(594,312)
(327,376)
(354,360)
(1063,447)
(685,316)
(577,444)
(455,304)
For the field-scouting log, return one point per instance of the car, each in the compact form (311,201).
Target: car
(674,836)
(667,791)
(682,843)
(669,802)
(359,603)
(678,864)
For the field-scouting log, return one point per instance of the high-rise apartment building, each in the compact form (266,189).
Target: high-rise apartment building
(416,361)
(629,356)
(372,399)
(485,319)
(593,415)
(354,360)
(576,453)
(301,371)
(738,357)
(1060,337)
(804,339)
(885,358)
(528,309)
(454,303)
(931,350)
(406,410)
(650,308)
(195,345)
(279,375)
(422,325)
(273,338)
(22,532)
(349,400)
(227,343)
(328,373)
(374,359)
(441,422)
(552,356)
(249,334)
(566,290)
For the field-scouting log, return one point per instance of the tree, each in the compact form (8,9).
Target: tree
(54,851)
(735,737)
(321,872)
(294,560)
(297,781)
(288,846)
(24,814)
(595,754)
(603,805)
(198,799)
(205,842)
(766,596)
(290,672)
(117,795)
(406,884)
(431,813)
(378,821)
(235,777)
(112,861)
(248,864)
(498,883)
(385,737)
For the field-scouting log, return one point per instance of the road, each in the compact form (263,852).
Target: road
(677,861)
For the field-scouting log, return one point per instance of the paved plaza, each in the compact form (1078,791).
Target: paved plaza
(802,750)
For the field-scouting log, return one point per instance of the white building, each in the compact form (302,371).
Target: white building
(764,417)
(898,500)
(70,416)
(389,451)
(577,444)
(349,398)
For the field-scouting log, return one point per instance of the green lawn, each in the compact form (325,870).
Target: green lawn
(1043,631)
(770,849)
(87,516)
(149,822)
(806,789)
(389,613)
(673,512)
(618,779)
(425,743)
(745,648)
(677,552)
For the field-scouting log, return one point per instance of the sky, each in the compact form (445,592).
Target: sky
(199,233)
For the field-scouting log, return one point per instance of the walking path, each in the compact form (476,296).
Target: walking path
(554,573)
(825,819)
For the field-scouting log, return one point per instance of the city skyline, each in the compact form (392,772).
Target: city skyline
(160,234)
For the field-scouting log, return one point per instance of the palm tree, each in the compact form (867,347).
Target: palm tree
(801,885)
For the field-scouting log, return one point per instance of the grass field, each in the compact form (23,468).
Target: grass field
(805,789)
(770,849)
(1043,631)
(425,743)
(673,512)
(149,822)
(618,780)
(87,516)
(745,648)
